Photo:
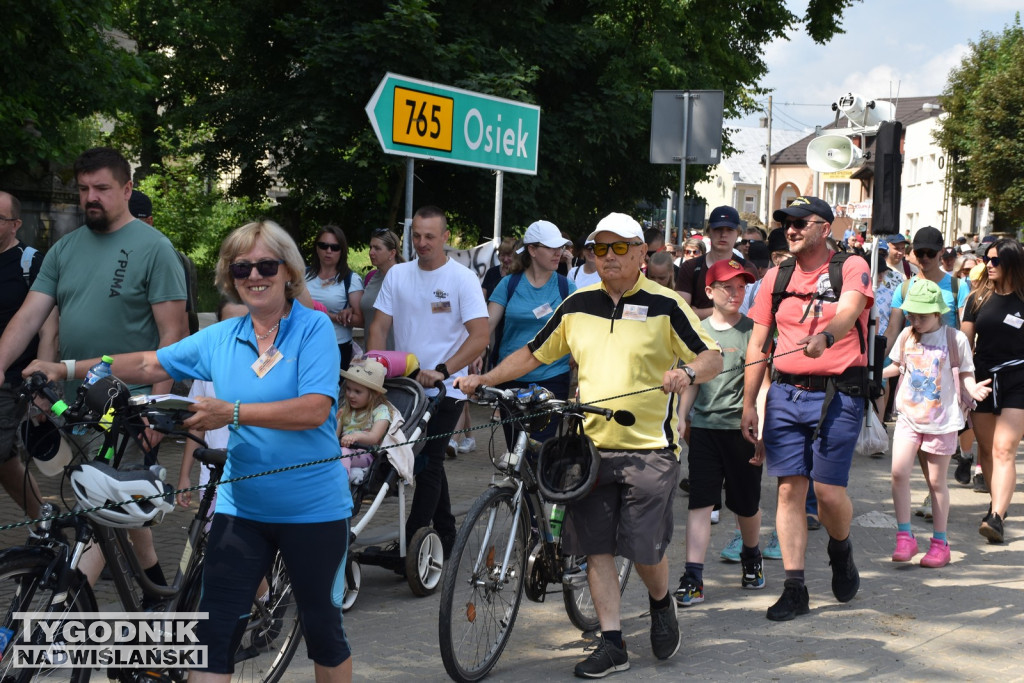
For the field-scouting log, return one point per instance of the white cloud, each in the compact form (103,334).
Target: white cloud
(988,5)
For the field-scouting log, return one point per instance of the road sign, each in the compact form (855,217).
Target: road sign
(701,112)
(415,118)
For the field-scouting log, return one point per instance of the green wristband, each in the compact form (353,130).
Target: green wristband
(235,423)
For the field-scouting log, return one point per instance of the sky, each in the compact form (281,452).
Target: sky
(889,48)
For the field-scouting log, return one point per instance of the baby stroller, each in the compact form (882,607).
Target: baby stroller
(389,475)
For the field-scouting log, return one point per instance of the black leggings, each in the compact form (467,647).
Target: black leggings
(346,354)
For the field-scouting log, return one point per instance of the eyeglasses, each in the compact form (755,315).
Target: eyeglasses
(691,252)
(9,220)
(327,246)
(380,231)
(243,269)
(620,248)
(742,243)
(991,261)
(926,253)
(799,223)
(729,289)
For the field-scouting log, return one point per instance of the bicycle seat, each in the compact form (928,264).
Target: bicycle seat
(215,457)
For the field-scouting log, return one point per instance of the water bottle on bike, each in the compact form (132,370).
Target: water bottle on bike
(95,374)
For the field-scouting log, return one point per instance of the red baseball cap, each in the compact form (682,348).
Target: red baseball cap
(727,270)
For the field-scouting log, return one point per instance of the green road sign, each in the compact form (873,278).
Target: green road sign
(415,118)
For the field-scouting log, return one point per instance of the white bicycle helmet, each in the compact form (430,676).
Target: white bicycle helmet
(96,484)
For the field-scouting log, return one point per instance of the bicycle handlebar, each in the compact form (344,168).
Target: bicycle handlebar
(539,398)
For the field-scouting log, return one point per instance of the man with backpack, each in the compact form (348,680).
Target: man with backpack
(819,302)
(723,231)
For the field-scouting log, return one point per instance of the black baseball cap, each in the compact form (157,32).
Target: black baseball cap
(777,240)
(758,254)
(724,217)
(139,205)
(928,238)
(801,207)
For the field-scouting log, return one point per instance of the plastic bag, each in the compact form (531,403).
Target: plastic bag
(873,438)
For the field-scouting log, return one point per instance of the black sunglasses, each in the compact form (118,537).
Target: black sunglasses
(926,253)
(799,223)
(991,261)
(327,246)
(243,269)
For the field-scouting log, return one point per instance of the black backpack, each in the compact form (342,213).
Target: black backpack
(191,287)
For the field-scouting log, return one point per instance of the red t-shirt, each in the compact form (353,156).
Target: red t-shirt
(845,353)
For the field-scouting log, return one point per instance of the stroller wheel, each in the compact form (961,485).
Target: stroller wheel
(424,562)
(353,579)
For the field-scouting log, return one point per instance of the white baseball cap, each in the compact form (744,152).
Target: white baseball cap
(620,224)
(543,232)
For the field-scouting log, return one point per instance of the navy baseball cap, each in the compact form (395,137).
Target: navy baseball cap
(724,217)
(898,238)
(801,207)
(139,205)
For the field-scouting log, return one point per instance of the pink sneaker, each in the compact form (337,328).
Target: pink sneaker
(937,555)
(906,547)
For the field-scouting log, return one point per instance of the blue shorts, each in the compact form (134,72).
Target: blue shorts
(791,415)
(240,554)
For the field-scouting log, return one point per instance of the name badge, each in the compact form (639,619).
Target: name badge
(1013,320)
(634,312)
(268,360)
(542,311)
(441,307)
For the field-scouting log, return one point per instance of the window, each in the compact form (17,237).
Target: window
(749,202)
(837,193)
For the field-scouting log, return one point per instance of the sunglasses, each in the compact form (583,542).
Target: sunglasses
(243,269)
(926,253)
(799,223)
(326,246)
(991,261)
(620,248)
(692,252)
(380,231)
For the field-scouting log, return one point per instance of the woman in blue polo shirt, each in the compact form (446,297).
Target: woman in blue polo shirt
(275,373)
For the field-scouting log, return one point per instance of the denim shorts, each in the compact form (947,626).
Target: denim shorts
(791,415)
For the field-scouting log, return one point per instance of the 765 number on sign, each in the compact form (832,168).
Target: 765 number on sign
(422,119)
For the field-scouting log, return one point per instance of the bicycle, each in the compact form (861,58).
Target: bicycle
(509,545)
(43,575)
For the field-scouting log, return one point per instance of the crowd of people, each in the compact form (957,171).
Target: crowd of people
(759,342)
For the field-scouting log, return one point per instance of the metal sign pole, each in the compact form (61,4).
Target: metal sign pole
(499,186)
(682,165)
(407,231)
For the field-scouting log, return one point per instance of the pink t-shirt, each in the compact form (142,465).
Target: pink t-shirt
(846,352)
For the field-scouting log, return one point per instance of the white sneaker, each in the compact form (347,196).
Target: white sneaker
(453,448)
(715,516)
(468,444)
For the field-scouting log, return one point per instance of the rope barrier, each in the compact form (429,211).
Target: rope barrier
(287,468)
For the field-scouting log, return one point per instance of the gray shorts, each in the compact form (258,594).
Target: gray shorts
(10,418)
(629,512)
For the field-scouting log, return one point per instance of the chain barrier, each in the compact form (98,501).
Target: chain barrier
(288,468)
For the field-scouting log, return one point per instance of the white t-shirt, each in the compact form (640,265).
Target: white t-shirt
(215,438)
(581,278)
(927,395)
(334,297)
(429,311)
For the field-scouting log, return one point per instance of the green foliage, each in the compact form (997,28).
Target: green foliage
(61,66)
(983,132)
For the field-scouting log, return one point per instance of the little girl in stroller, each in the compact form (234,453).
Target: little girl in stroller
(364,416)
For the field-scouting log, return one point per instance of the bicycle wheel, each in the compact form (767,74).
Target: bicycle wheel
(273,633)
(576,591)
(478,606)
(24,587)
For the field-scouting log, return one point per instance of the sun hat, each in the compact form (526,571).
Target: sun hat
(620,224)
(924,296)
(545,233)
(368,373)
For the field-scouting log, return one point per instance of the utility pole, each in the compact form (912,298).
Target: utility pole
(768,170)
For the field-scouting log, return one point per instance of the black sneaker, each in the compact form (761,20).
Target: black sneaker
(979,483)
(606,659)
(845,577)
(963,470)
(753,575)
(792,604)
(665,636)
(992,528)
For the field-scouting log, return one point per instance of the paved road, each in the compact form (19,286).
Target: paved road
(962,622)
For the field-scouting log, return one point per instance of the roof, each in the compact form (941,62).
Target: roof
(751,145)
(908,112)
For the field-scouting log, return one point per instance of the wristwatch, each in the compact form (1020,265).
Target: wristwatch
(829,339)
(443,369)
(691,373)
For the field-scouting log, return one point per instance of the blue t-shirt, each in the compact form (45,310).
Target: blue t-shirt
(224,353)
(946,285)
(525,315)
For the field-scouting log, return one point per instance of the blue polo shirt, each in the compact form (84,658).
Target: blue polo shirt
(224,353)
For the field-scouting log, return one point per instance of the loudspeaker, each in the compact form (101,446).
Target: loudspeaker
(885,199)
(830,153)
(864,113)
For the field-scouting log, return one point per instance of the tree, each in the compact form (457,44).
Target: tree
(61,65)
(983,131)
(282,87)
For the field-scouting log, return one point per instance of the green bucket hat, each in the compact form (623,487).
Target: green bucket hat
(924,296)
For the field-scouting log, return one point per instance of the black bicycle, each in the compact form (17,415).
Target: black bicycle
(43,575)
(509,545)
